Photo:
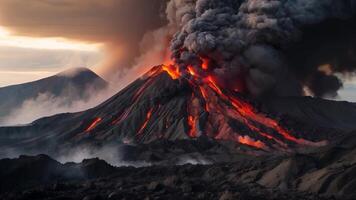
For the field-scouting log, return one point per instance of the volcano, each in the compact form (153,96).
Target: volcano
(166,103)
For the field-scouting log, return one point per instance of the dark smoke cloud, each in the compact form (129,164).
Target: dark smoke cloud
(260,46)
(268,42)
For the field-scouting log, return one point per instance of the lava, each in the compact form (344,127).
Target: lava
(192,122)
(191,70)
(246,140)
(94,124)
(172,71)
(205,64)
(144,125)
(234,107)
(247,111)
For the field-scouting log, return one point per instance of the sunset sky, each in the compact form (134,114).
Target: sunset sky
(24,58)
(39,38)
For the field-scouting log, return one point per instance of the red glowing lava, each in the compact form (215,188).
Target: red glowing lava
(144,125)
(93,124)
(205,64)
(235,108)
(192,122)
(191,70)
(172,70)
(251,142)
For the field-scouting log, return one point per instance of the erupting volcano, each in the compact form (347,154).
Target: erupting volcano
(172,103)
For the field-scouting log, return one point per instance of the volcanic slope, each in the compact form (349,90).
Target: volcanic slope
(163,104)
(70,85)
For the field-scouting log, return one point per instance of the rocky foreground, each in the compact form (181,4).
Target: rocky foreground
(324,173)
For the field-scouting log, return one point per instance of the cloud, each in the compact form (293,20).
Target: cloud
(120,24)
(47,104)
(90,20)
(265,41)
(19,65)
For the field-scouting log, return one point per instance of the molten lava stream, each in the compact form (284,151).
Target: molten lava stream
(205,64)
(93,124)
(192,122)
(144,125)
(246,140)
(244,109)
(247,111)
(172,70)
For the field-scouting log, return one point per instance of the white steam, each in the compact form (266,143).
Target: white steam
(47,104)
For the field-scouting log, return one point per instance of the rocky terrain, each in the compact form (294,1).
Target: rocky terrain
(323,173)
(326,173)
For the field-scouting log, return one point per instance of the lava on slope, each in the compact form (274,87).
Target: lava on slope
(173,104)
(224,106)
(148,118)
(93,124)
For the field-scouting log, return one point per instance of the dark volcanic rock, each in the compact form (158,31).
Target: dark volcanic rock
(314,175)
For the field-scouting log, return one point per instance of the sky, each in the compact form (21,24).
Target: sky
(24,59)
(39,38)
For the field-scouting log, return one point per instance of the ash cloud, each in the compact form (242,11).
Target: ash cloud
(265,41)
(259,46)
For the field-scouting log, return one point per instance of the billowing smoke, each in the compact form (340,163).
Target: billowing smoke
(267,46)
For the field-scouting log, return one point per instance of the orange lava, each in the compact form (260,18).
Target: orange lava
(192,122)
(247,111)
(205,64)
(234,107)
(93,124)
(191,70)
(148,117)
(246,140)
(172,70)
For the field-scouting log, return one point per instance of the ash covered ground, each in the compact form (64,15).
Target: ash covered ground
(216,171)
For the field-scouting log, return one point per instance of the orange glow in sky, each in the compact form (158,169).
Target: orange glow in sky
(7,39)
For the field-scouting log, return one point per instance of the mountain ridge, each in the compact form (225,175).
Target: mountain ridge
(71,84)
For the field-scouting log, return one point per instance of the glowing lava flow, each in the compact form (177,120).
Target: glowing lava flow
(241,111)
(192,122)
(172,71)
(247,111)
(251,142)
(93,124)
(144,125)
(205,64)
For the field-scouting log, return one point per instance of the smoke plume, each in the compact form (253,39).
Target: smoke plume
(273,46)
(257,46)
